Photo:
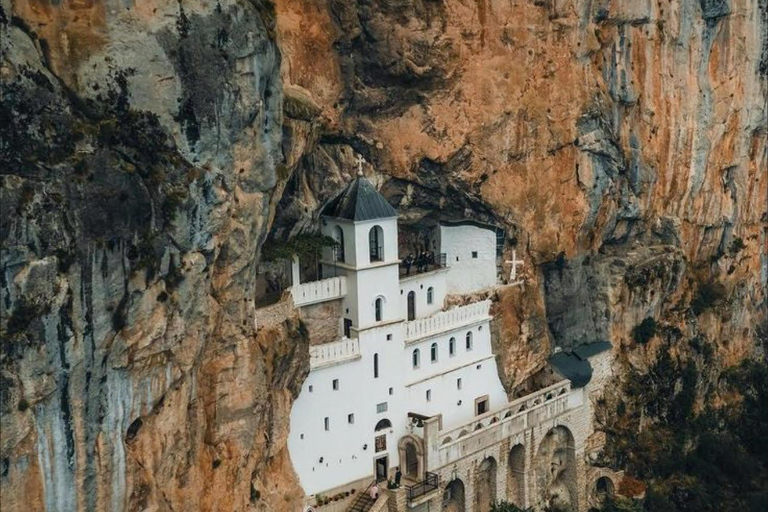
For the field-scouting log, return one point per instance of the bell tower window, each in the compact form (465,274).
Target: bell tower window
(376,244)
(338,237)
(378,307)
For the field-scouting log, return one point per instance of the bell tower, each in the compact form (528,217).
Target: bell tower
(364,226)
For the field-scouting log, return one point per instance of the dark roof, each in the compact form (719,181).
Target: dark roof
(575,365)
(573,368)
(359,201)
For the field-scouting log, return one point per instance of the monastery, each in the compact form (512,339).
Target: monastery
(400,381)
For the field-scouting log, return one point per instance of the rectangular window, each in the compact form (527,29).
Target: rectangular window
(389,337)
(382,407)
(310,388)
(351,419)
(474,254)
(458,383)
(335,384)
(481,405)
(327,423)
(429,395)
(391,391)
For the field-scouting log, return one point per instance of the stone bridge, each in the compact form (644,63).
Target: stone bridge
(531,453)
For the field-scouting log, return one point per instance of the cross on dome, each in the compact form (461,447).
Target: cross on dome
(360,161)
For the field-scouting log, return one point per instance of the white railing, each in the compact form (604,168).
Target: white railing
(313,292)
(492,427)
(333,353)
(447,320)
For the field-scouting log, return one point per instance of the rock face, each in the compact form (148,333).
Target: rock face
(149,148)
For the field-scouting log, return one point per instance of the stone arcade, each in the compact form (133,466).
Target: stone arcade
(406,382)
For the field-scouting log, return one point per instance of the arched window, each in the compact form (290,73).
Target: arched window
(430,295)
(433,352)
(382,424)
(338,236)
(378,307)
(376,243)
(469,340)
(416,358)
(452,347)
(411,305)
(375,366)
(429,395)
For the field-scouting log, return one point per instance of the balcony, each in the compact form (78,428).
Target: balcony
(447,320)
(305,294)
(329,354)
(430,483)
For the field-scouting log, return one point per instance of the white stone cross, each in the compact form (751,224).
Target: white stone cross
(515,263)
(360,161)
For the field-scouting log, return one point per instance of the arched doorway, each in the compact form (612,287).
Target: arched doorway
(516,476)
(485,485)
(603,490)
(555,471)
(411,462)
(411,451)
(411,305)
(453,497)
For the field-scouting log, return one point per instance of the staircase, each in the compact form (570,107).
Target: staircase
(362,504)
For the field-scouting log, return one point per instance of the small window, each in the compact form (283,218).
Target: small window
(351,419)
(327,423)
(433,353)
(469,341)
(391,391)
(474,254)
(452,347)
(416,358)
(429,395)
(382,407)
(335,384)
(378,309)
(458,383)
(389,337)
(375,366)
(430,295)
(310,388)
(301,436)
(481,405)
(457,258)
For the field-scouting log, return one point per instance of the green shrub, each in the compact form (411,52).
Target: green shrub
(709,295)
(644,331)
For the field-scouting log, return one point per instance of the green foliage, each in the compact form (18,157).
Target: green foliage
(713,460)
(621,504)
(305,246)
(644,331)
(709,295)
(506,506)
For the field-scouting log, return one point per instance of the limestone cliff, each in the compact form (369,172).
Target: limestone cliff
(149,147)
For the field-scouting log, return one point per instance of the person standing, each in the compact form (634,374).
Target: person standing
(398,476)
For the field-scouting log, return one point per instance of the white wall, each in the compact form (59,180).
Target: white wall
(388,242)
(465,273)
(419,283)
(344,459)
(440,376)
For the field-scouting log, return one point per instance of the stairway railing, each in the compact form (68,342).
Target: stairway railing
(362,495)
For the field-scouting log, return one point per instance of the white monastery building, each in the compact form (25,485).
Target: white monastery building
(409,382)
